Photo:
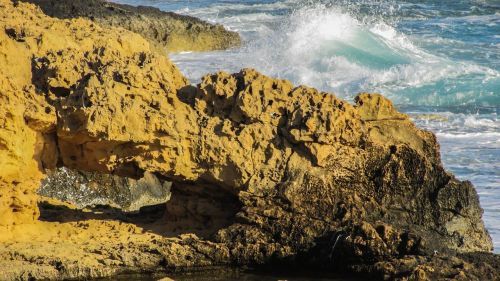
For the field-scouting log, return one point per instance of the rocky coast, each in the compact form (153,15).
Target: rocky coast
(164,30)
(261,173)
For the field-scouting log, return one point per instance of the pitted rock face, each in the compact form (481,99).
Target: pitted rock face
(166,30)
(251,133)
(316,179)
(39,90)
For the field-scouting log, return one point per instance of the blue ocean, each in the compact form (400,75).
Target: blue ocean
(438,60)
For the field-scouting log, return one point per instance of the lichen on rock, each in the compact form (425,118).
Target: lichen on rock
(263,172)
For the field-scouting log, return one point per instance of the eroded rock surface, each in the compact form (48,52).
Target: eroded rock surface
(263,172)
(167,30)
(29,41)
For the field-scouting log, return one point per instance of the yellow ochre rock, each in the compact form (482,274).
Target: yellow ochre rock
(262,171)
(34,75)
(165,30)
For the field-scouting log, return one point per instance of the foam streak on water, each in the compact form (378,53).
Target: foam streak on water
(438,60)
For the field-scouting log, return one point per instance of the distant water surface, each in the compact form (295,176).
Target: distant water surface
(438,60)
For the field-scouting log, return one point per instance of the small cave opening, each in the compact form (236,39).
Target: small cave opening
(150,202)
(199,208)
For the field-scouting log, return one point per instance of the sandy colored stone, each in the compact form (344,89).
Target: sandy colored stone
(165,30)
(29,42)
(263,172)
(166,279)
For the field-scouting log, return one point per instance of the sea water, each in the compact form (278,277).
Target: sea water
(438,61)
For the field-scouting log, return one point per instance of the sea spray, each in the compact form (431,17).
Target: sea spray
(344,47)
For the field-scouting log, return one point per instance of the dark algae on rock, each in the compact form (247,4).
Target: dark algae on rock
(263,173)
(167,30)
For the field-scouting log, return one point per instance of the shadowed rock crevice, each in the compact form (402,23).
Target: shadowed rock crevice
(186,209)
(202,209)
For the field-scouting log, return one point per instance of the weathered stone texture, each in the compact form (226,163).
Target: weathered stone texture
(269,173)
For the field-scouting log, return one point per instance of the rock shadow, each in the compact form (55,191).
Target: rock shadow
(198,209)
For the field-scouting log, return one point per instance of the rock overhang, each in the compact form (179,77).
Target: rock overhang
(297,166)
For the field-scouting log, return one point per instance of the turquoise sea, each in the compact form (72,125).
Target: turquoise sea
(438,60)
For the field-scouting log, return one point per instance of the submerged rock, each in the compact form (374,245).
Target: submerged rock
(264,173)
(167,30)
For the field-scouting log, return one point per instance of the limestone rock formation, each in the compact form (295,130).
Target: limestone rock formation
(166,30)
(263,172)
(30,94)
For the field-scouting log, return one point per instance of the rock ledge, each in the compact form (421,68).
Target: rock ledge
(166,30)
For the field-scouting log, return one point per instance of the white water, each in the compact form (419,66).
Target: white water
(328,48)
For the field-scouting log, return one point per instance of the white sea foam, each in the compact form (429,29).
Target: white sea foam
(331,48)
(494,136)
(214,11)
